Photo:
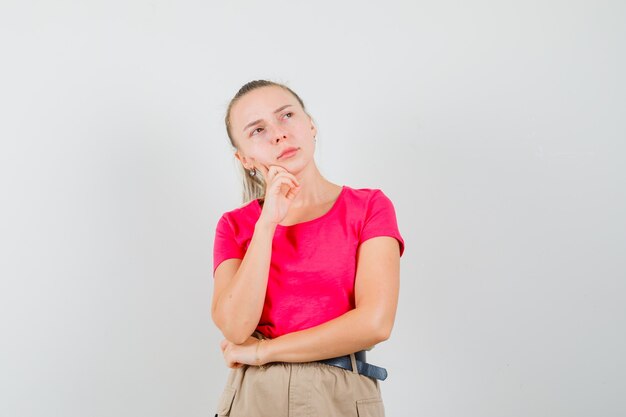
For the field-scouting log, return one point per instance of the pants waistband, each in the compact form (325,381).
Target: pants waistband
(362,367)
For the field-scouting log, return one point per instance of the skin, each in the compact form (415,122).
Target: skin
(296,191)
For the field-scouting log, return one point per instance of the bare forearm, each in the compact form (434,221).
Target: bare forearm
(240,305)
(348,333)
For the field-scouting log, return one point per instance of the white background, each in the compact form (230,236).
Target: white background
(497,129)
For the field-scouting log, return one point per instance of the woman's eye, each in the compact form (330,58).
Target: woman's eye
(257,130)
(288,115)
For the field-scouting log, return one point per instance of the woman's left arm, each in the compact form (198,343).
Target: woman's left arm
(370,322)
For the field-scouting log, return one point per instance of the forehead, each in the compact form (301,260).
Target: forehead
(260,104)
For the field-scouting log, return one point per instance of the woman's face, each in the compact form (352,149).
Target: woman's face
(267,121)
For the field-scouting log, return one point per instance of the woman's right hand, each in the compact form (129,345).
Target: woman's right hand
(281,188)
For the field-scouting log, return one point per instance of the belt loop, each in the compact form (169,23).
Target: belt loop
(353,361)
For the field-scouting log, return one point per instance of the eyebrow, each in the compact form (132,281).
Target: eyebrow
(281,108)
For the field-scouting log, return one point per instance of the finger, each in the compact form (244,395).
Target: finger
(233,364)
(288,174)
(267,172)
(293,192)
(278,183)
(278,168)
(273,170)
(264,170)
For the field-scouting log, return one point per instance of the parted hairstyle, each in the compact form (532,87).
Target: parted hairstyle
(253,186)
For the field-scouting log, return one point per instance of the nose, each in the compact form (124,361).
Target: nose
(279,135)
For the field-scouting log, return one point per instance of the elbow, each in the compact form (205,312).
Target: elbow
(381,329)
(236,338)
(382,333)
(236,333)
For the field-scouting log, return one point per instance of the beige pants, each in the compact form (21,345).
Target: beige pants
(310,389)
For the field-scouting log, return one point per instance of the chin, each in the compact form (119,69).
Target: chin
(296,164)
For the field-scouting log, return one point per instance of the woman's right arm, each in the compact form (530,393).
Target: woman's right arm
(239,285)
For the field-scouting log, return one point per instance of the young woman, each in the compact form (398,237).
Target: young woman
(306,272)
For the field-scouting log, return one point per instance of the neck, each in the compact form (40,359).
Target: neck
(315,189)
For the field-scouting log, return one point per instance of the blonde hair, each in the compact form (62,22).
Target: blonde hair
(253,186)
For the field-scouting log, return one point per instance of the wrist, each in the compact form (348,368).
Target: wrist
(264,352)
(265,227)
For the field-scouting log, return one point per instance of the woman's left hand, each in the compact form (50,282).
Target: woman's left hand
(236,356)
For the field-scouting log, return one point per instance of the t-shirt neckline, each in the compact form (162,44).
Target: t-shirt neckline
(328,213)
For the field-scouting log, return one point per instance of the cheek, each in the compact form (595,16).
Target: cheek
(260,151)
(256,149)
(305,132)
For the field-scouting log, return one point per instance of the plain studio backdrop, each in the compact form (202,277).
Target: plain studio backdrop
(497,129)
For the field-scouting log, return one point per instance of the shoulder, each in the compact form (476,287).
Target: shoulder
(377,215)
(363,204)
(242,217)
(243,209)
(369,203)
(365,196)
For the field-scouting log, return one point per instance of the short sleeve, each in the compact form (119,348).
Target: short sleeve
(380,220)
(225,245)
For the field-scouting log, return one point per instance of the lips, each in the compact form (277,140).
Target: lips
(287,152)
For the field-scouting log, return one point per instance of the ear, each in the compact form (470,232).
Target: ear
(245,161)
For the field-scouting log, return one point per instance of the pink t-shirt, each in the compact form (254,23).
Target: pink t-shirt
(313,264)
